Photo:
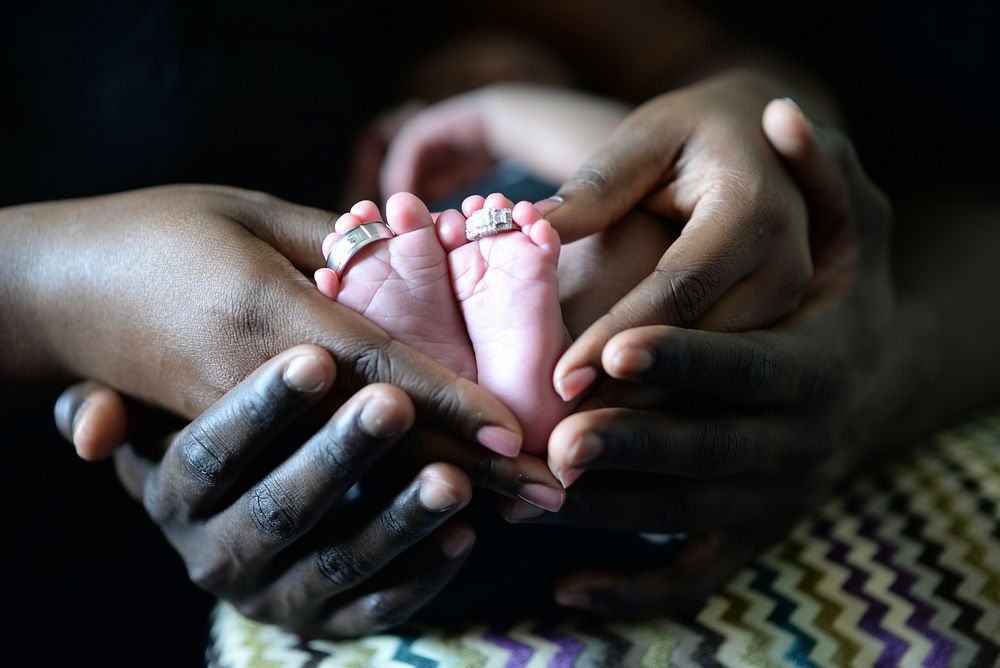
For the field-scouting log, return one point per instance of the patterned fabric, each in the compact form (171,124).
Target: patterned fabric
(903,568)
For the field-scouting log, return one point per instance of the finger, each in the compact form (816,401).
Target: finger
(409,584)
(681,445)
(289,500)
(439,491)
(795,139)
(523,477)
(710,257)
(93,418)
(210,453)
(616,179)
(755,368)
(633,502)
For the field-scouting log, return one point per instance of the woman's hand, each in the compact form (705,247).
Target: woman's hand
(732,436)
(268,525)
(695,157)
(172,295)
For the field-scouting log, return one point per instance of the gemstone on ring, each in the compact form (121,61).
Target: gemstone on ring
(489,221)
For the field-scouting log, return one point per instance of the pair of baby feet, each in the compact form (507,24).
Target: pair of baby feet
(487,309)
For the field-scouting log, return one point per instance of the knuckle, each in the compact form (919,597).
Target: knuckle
(687,296)
(641,450)
(381,612)
(270,511)
(160,507)
(753,371)
(592,179)
(212,574)
(344,568)
(332,455)
(716,449)
(256,609)
(201,453)
(373,364)
(393,523)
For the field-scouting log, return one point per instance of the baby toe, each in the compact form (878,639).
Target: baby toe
(327,282)
(451,229)
(346,223)
(525,214)
(498,201)
(406,212)
(328,243)
(367,211)
(472,203)
(545,237)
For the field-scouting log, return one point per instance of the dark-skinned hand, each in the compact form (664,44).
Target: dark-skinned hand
(731,437)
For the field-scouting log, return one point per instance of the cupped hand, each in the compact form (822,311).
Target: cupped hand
(172,295)
(771,419)
(694,157)
(253,494)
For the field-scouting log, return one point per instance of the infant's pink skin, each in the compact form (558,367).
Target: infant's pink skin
(508,289)
(402,284)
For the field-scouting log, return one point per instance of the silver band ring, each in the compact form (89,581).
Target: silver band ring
(351,244)
(489,221)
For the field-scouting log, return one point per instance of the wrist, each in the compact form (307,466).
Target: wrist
(27,358)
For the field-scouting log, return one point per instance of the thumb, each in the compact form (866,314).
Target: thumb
(613,181)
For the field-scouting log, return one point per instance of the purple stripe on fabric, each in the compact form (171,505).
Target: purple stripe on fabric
(569,648)
(942,647)
(520,653)
(894,647)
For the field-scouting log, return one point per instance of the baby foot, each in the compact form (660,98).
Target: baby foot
(509,294)
(402,284)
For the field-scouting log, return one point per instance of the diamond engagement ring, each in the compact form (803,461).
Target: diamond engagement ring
(351,244)
(489,221)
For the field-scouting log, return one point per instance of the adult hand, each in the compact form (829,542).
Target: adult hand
(695,156)
(790,409)
(266,523)
(172,295)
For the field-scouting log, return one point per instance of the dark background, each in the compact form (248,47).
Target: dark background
(99,97)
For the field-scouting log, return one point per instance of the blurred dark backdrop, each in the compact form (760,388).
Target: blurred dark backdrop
(99,97)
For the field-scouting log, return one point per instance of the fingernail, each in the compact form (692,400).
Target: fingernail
(793,103)
(381,418)
(572,598)
(499,440)
(585,449)
(576,381)
(569,476)
(521,511)
(79,423)
(548,204)
(633,360)
(541,496)
(305,373)
(458,542)
(436,496)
